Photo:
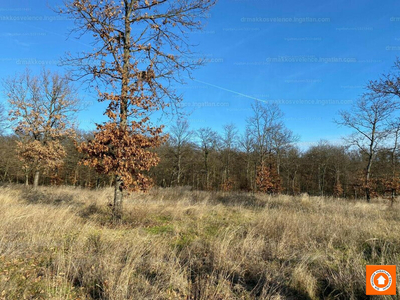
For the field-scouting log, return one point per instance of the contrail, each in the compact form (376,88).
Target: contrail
(224,89)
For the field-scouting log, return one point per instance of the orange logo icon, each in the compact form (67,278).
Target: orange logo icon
(381,280)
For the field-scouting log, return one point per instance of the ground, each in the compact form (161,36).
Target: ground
(59,243)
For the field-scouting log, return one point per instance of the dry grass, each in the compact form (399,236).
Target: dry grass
(58,243)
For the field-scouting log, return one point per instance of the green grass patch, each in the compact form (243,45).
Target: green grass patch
(164,229)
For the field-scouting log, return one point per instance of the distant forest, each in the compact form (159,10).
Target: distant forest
(265,158)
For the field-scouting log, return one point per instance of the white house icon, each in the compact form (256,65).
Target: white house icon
(381,280)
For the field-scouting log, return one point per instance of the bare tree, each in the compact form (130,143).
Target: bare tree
(369,118)
(140,50)
(229,144)
(246,145)
(393,184)
(262,125)
(291,164)
(180,136)
(208,141)
(282,139)
(267,132)
(43,109)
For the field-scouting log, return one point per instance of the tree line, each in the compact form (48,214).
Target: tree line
(263,157)
(141,50)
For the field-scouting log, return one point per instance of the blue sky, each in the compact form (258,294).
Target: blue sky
(313,58)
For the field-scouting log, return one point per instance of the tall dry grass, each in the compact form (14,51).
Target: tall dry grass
(59,243)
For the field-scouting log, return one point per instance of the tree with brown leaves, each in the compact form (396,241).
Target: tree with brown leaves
(338,188)
(42,109)
(268,180)
(140,50)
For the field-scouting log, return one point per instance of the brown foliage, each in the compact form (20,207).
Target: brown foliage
(137,68)
(227,185)
(338,189)
(41,110)
(392,184)
(268,180)
(124,151)
(47,155)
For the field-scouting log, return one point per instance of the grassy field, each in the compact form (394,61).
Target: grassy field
(59,243)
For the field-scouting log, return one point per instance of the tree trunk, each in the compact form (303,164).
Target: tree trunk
(255,178)
(75,176)
(248,181)
(367,176)
(178,181)
(368,194)
(26,179)
(228,164)
(278,163)
(206,167)
(370,158)
(36,179)
(294,183)
(123,117)
(118,196)
(193,178)
(392,197)
(5,172)
(393,160)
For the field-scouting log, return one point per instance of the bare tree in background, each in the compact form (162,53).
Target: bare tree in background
(43,108)
(264,122)
(140,50)
(393,184)
(229,144)
(282,139)
(246,145)
(369,118)
(180,136)
(208,142)
(266,129)
(292,165)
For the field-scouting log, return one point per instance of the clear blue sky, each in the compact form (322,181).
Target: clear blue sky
(311,57)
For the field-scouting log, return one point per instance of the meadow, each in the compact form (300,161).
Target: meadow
(59,243)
